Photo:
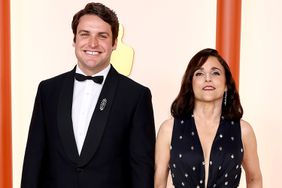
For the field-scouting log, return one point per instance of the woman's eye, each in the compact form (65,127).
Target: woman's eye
(216,73)
(199,74)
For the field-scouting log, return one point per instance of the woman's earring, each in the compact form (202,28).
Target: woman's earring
(225,98)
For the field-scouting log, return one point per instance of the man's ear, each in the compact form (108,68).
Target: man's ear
(115,44)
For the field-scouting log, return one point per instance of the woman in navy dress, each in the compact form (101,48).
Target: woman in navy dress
(206,142)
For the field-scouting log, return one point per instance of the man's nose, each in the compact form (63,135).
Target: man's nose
(93,41)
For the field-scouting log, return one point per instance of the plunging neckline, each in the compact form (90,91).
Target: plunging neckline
(198,140)
(187,157)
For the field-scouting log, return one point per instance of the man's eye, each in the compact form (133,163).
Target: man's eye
(103,36)
(83,34)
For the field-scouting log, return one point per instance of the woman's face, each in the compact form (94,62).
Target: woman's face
(209,81)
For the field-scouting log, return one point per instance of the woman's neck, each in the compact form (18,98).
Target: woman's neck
(207,111)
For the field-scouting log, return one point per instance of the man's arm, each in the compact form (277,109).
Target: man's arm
(35,146)
(142,143)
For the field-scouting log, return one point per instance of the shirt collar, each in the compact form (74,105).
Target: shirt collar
(103,72)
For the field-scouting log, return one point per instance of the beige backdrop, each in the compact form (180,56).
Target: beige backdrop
(164,36)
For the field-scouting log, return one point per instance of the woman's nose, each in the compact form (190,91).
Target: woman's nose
(207,77)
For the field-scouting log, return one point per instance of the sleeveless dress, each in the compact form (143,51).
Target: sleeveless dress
(187,164)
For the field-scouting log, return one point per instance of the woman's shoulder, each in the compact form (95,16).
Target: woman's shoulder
(165,132)
(246,128)
(248,134)
(167,125)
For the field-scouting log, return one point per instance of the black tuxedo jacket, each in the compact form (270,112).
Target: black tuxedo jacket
(118,150)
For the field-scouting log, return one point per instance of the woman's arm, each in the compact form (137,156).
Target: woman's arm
(250,159)
(162,154)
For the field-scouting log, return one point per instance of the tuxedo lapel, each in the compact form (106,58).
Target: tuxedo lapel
(64,117)
(99,118)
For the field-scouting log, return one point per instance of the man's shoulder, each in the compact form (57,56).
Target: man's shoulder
(131,84)
(55,82)
(57,78)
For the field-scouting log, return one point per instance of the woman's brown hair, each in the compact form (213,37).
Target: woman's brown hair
(183,105)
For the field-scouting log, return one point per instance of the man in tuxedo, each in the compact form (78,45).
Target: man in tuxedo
(91,127)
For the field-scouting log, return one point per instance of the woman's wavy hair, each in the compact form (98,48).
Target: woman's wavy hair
(183,105)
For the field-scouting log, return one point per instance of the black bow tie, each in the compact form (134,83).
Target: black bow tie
(96,79)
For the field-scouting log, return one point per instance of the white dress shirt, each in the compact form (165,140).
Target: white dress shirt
(85,97)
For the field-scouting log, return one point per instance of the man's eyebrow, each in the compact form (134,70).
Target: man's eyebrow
(104,33)
(83,31)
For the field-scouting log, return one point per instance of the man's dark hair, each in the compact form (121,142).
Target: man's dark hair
(100,10)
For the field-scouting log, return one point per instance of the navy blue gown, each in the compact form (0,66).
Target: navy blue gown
(187,160)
